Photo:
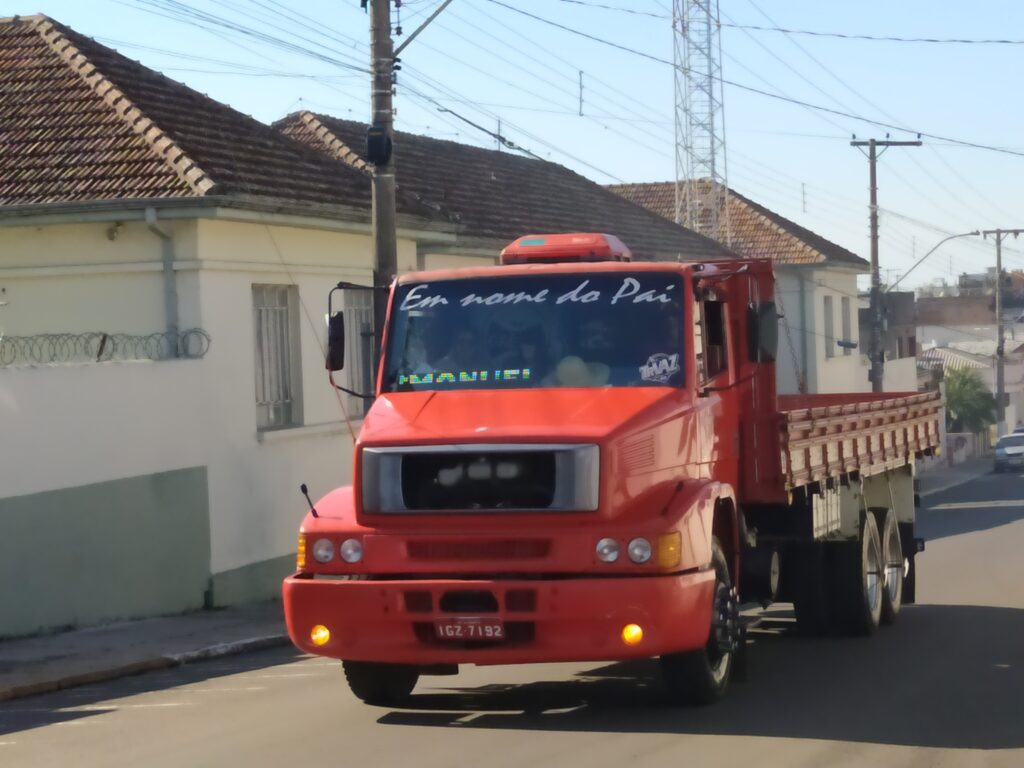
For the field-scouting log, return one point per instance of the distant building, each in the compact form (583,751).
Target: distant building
(899,325)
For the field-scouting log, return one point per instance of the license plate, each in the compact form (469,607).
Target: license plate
(470,628)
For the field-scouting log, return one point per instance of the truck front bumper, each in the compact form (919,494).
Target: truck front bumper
(562,619)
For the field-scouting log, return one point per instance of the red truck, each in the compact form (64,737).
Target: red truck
(573,456)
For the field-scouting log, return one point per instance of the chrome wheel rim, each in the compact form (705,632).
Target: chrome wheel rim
(873,574)
(894,568)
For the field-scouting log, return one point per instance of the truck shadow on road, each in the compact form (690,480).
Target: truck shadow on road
(944,676)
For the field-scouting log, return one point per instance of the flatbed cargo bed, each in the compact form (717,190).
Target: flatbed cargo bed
(828,436)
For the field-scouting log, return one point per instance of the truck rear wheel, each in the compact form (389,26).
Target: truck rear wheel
(859,580)
(811,588)
(892,562)
(701,677)
(381,684)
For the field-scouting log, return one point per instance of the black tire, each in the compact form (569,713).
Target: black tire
(701,677)
(857,574)
(892,563)
(811,588)
(380,684)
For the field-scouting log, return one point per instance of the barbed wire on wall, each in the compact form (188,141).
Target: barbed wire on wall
(53,348)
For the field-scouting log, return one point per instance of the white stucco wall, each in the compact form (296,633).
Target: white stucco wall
(111,421)
(843,371)
(900,375)
(457,261)
(71,425)
(255,506)
(800,295)
(73,278)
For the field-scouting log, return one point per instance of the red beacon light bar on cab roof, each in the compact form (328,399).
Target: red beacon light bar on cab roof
(550,249)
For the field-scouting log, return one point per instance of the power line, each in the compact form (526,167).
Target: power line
(534,75)
(914,160)
(751,89)
(877,38)
(620,9)
(595,83)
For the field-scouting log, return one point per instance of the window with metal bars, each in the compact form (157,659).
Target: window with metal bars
(847,329)
(830,333)
(278,363)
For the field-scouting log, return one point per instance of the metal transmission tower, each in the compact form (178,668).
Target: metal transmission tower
(701,179)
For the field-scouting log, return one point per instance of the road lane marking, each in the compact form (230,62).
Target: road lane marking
(115,707)
(999,503)
(294,674)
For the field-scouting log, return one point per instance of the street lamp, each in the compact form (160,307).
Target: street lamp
(934,248)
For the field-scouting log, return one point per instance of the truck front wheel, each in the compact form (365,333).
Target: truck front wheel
(381,684)
(700,677)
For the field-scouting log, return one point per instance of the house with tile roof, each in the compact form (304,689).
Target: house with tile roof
(495,197)
(820,348)
(164,261)
(164,265)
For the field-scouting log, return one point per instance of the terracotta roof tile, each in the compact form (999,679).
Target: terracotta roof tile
(79,121)
(501,195)
(756,230)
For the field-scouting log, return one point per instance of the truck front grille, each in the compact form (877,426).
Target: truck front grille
(456,481)
(488,478)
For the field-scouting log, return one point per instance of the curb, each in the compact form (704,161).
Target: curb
(229,649)
(145,665)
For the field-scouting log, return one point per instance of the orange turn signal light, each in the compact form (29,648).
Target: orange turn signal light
(300,553)
(670,550)
(319,634)
(632,634)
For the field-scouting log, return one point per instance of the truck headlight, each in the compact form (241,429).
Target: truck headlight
(639,550)
(323,550)
(607,550)
(351,550)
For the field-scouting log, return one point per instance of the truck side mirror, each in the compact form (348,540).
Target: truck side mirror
(762,332)
(336,342)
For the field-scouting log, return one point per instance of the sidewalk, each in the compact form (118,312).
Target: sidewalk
(41,664)
(938,476)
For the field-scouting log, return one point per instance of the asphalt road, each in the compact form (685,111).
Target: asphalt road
(944,687)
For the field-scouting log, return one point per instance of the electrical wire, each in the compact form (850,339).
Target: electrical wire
(963,204)
(768,94)
(879,38)
(620,9)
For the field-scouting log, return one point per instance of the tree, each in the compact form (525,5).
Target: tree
(970,407)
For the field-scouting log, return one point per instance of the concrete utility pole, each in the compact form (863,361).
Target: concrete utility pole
(379,153)
(875,355)
(1000,335)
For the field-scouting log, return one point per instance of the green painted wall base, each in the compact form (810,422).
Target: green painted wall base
(103,552)
(250,583)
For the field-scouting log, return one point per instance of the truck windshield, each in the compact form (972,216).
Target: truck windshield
(621,329)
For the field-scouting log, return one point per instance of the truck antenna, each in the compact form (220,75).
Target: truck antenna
(305,492)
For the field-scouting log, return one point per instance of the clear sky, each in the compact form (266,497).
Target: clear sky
(489,64)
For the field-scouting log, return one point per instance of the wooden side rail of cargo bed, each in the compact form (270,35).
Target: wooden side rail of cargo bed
(828,436)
